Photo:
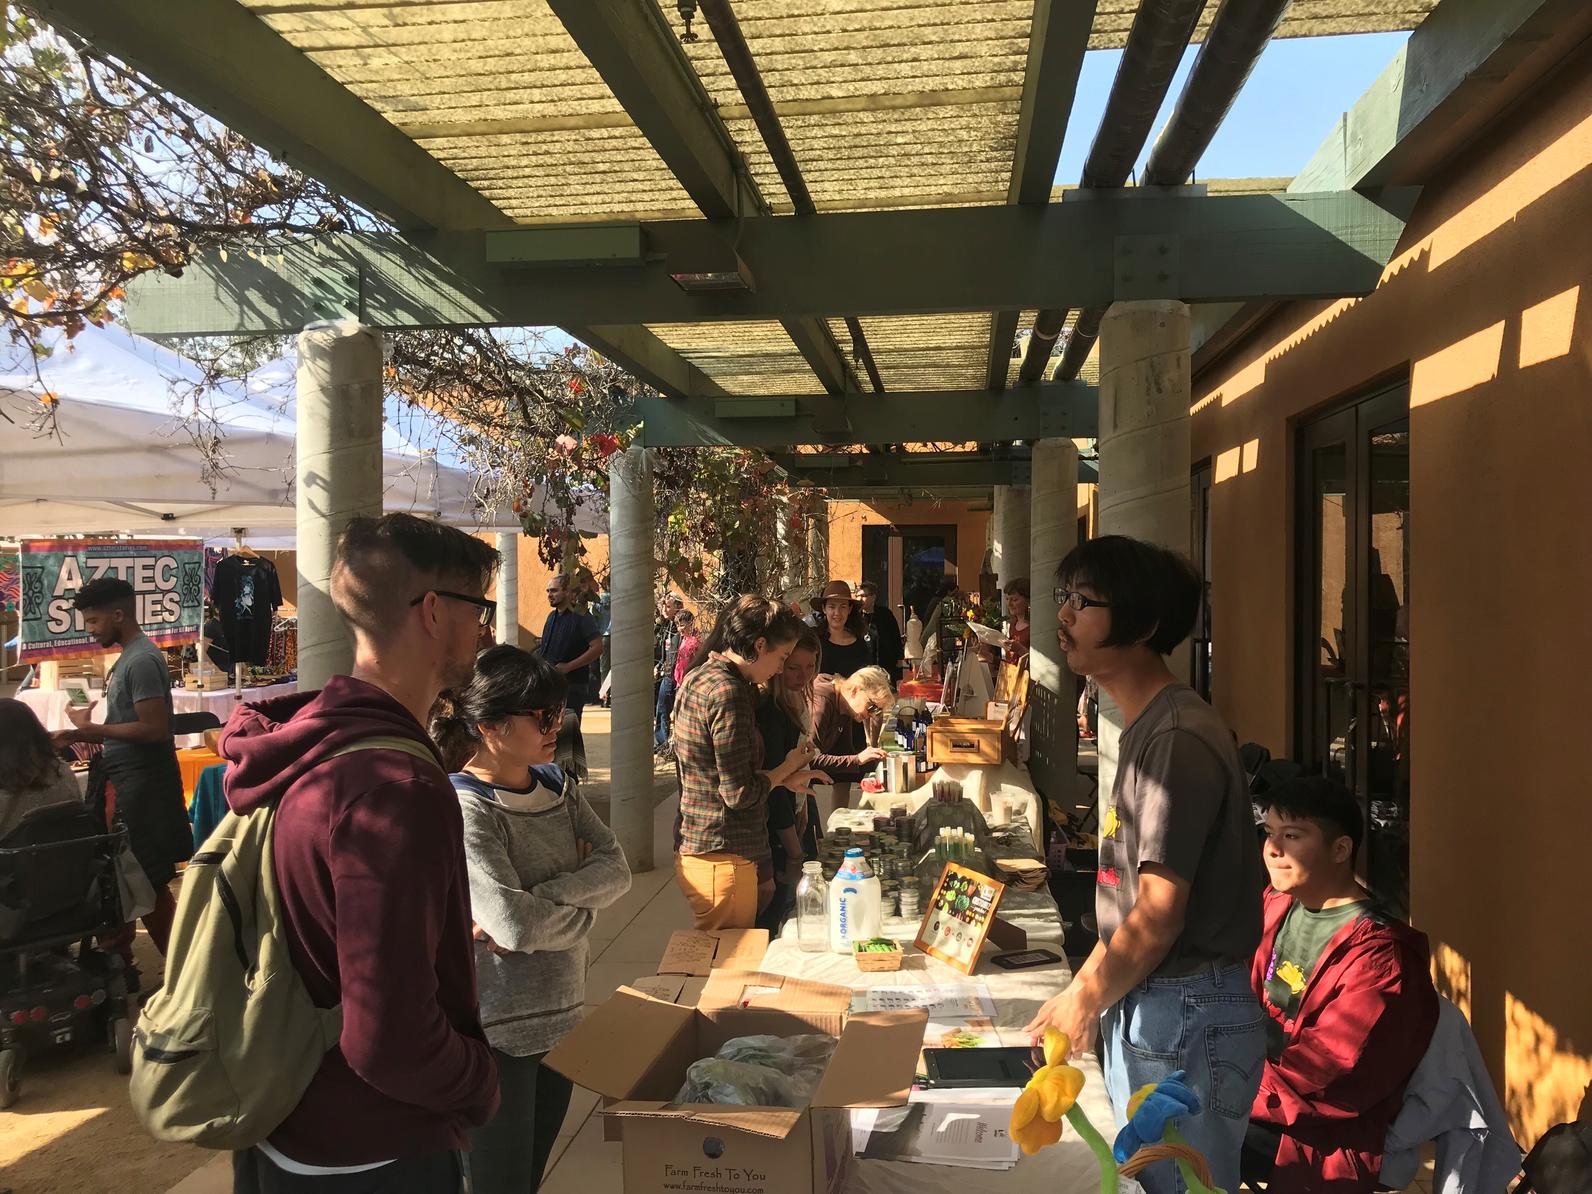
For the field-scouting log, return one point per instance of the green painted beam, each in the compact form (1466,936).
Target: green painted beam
(229,63)
(1058,36)
(1068,410)
(640,59)
(1461,67)
(928,471)
(643,355)
(1220,248)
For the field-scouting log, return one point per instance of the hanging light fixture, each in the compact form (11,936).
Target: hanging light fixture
(688,10)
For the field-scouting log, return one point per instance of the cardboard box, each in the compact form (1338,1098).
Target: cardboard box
(634,1051)
(699,952)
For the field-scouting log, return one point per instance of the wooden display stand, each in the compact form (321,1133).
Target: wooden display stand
(961,914)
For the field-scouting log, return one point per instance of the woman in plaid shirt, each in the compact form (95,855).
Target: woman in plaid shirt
(723,863)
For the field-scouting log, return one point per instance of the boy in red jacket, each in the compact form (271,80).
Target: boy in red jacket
(1349,1001)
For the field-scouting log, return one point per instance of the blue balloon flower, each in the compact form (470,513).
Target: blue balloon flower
(1150,1109)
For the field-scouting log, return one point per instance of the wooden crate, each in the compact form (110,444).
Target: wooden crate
(964,740)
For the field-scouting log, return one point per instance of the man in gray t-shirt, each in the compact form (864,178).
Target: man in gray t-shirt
(138,769)
(1180,801)
(1178,894)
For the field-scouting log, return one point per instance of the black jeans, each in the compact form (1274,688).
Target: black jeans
(433,1173)
(510,1153)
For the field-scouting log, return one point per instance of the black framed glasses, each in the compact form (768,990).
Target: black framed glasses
(875,709)
(1078,601)
(547,720)
(487,608)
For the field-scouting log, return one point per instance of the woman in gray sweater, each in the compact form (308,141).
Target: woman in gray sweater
(541,865)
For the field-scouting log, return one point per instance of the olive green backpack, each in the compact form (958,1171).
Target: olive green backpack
(225,1050)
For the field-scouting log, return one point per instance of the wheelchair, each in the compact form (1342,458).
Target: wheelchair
(58,888)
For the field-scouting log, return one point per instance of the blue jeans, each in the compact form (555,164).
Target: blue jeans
(1208,1023)
(662,710)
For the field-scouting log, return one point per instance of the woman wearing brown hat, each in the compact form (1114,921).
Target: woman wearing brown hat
(845,647)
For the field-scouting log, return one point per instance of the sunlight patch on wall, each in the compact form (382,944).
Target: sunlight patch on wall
(1547,1076)
(1461,366)
(1547,329)
(1226,467)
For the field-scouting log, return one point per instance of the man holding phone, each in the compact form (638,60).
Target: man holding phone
(136,780)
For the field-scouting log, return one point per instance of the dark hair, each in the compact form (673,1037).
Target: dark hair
(867,589)
(1018,586)
(383,564)
(1315,798)
(684,615)
(1154,592)
(749,619)
(106,592)
(507,681)
(26,756)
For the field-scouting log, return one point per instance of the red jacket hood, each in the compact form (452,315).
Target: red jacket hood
(1376,924)
(270,745)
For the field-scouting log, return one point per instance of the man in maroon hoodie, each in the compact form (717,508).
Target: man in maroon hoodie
(369,860)
(1349,1001)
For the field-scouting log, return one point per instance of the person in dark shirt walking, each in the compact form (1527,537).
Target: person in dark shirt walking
(883,629)
(370,868)
(570,642)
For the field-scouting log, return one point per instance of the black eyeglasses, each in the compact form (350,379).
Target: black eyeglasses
(875,708)
(547,720)
(1077,600)
(488,609)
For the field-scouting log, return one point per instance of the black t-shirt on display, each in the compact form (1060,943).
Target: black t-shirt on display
(247,593)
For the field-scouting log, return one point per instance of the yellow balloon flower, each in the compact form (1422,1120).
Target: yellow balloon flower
(1049,1095)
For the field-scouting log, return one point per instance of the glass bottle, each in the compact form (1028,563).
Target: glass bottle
(812,909)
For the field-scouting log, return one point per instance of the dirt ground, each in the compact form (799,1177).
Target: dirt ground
(73,1132)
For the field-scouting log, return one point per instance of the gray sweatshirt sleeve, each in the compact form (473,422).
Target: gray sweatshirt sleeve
(602,878)
(517,920)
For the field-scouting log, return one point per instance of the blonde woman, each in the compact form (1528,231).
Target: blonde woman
(839,707)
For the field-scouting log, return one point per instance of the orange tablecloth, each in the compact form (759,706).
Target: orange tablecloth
(193,762)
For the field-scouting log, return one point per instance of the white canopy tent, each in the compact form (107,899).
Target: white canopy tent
(124,462)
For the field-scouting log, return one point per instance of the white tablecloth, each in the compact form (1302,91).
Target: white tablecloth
(50,707)
(1065,1168)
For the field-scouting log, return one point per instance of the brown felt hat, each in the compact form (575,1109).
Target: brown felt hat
(835,588)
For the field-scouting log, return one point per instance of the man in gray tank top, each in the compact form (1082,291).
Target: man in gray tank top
(1178,894)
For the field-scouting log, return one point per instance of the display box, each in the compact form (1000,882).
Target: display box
(635,1050)
(964,740)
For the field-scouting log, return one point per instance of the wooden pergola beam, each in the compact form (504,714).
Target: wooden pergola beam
(1088,252)
(1058,37)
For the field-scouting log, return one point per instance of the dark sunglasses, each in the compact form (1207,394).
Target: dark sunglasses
(1078,601)
(547,720)
(486,608)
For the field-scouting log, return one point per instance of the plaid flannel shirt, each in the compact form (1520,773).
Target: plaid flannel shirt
(723,790)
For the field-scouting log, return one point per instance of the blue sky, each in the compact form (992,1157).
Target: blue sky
(1293,97)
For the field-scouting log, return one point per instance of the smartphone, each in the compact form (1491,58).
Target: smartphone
(1025,959)
(76,693)
(970,1068)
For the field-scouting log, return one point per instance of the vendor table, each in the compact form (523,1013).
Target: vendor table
(1065,1168)
(192,762)
(50,706)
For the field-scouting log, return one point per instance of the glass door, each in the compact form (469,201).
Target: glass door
(1354,662)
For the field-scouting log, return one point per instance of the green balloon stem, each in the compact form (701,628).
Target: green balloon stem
(1097,1144)
(1173,1136)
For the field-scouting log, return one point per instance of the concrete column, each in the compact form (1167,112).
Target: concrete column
(631,514)
(1145,392)
(507,628)
(1012,531)
(339,477)
(1053,729)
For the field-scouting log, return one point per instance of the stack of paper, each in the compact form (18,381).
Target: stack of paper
(961,1015)
(940,1128)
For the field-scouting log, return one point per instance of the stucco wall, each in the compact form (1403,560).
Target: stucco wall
(846,520)
(1487,308)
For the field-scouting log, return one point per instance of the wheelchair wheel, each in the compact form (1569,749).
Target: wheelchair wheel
(122,1044)
(10,1076)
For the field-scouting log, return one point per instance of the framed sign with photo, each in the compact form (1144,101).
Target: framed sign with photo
(959,915)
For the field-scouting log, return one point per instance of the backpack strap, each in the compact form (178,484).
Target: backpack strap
(407,746)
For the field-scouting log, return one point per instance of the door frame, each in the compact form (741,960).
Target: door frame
(1351,423)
